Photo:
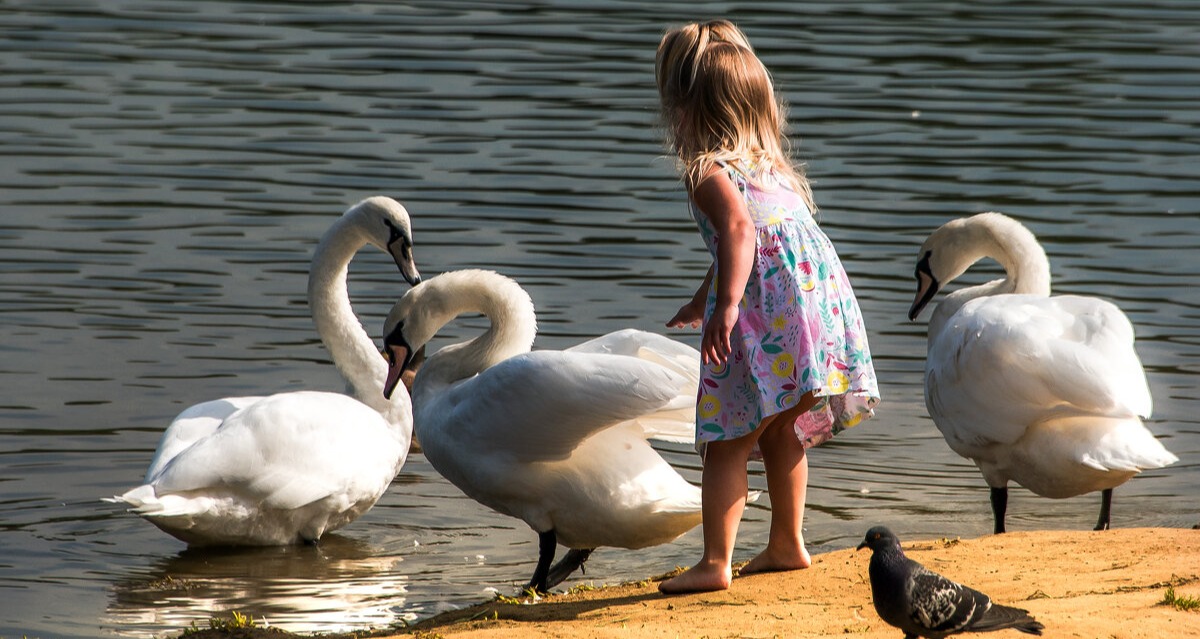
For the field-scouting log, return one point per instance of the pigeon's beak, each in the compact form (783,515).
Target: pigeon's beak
(861,546)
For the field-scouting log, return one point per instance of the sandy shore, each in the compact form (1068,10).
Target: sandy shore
(1079,584)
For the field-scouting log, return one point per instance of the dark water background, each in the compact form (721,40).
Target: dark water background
(166,168)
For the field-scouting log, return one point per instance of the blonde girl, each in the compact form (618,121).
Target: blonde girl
(785,360)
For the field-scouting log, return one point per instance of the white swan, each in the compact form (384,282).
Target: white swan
(1044,391)
(555,438)
(289,467)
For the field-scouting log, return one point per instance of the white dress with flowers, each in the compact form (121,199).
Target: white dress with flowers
(799,328)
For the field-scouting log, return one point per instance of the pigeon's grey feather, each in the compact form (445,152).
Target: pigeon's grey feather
(923,603)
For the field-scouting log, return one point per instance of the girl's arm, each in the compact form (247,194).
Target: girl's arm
(722,203)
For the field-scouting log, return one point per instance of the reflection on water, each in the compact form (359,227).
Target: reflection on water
(167,169)
(342,582)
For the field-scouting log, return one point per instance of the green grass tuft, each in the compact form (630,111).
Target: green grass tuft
(235,621)
(1179,602)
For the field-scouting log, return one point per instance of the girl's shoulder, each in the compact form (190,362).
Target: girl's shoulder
(713,171)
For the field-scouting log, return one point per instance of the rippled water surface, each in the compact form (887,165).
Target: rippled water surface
(168,166)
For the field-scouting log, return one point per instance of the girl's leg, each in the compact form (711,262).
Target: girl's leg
(723,492)
(786,463)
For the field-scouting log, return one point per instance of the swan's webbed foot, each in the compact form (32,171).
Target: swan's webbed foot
(547,544)
(574,559)
(999,508)
(1105,510)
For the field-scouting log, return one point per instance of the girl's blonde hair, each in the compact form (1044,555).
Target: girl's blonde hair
(720,104)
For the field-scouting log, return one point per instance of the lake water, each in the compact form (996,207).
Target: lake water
(168,166)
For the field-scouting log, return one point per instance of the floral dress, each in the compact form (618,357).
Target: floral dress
(799,328)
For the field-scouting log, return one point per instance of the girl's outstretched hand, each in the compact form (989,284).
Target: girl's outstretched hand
(690,314)
(714,345)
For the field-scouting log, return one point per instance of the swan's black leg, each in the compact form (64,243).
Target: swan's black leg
(568,564)
(547,544)
(1105,509)
(999,507)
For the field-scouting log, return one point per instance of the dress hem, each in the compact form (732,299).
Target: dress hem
(836,423)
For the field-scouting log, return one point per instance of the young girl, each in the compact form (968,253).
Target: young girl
(785,359)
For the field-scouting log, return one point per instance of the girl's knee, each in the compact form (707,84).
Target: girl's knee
(728,450)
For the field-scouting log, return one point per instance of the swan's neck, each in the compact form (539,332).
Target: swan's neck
(1014,247)
(513,326)
(1025,265)
(955,301)
(349,345)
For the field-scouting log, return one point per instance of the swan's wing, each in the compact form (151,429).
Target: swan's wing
(539,406)
(652,347)
(1005,362)
(675,422)
(192,425)
(287,451)
(1097,342)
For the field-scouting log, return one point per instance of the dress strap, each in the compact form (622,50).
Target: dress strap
(740,180)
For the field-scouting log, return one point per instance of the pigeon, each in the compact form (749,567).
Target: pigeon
(923,603)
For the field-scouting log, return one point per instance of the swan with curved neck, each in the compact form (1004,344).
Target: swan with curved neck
(555,438)
(384,223)
(960,243)
(289,467)
(511,330)
(1046,391)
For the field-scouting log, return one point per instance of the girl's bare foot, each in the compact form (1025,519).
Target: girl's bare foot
(703,577)
(771,560)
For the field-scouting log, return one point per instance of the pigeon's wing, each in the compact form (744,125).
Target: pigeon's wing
(943,606)
(999,616)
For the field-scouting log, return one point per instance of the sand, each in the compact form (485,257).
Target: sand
(1078,583)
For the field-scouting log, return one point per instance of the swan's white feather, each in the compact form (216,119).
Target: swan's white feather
(281,452)
(192,425)
(282,470)
(675,421)
(1003,363)
(550,401)
(287,468)
(555,438)
(1042,390)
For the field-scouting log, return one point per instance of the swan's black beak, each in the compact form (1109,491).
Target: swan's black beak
(927,287)
(399,355)
(400,247)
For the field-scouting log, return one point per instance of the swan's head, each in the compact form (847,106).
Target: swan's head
(928,284)
(956,245)
(425,309)
(409,326)
(387,226)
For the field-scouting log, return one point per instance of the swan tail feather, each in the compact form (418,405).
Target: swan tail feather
(142,496)
(685,504)
(1127,446)
(675,429)
(1092,462)
(145,502)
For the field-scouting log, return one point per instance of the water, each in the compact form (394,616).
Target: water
(167,168)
